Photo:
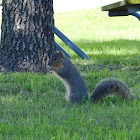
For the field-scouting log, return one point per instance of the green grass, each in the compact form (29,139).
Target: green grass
(32,106)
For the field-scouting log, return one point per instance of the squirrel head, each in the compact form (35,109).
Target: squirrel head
(56,61)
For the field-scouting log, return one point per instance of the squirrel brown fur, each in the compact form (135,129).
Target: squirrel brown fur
(62,68)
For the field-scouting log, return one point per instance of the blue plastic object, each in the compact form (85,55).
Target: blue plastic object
(70,44)
(135,14)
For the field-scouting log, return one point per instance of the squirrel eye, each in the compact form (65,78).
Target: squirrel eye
(55,58)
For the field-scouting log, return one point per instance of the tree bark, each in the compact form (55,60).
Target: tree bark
(27,38)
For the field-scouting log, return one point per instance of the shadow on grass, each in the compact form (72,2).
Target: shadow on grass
(114,53)
(125,47)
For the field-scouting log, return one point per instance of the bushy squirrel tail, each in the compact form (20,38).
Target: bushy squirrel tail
(110,87)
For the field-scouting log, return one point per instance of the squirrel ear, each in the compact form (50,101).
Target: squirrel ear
(61,54)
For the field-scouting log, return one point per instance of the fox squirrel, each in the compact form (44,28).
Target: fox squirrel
(62,68)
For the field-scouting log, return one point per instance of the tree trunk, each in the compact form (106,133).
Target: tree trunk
(27,38)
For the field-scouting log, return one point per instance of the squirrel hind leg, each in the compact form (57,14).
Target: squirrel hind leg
(109,87)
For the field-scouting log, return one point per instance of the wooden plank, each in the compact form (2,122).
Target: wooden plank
(118,6)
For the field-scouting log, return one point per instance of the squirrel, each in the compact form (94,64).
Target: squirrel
(64,70)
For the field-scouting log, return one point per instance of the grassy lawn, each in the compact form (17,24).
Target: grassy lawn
(32,106)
